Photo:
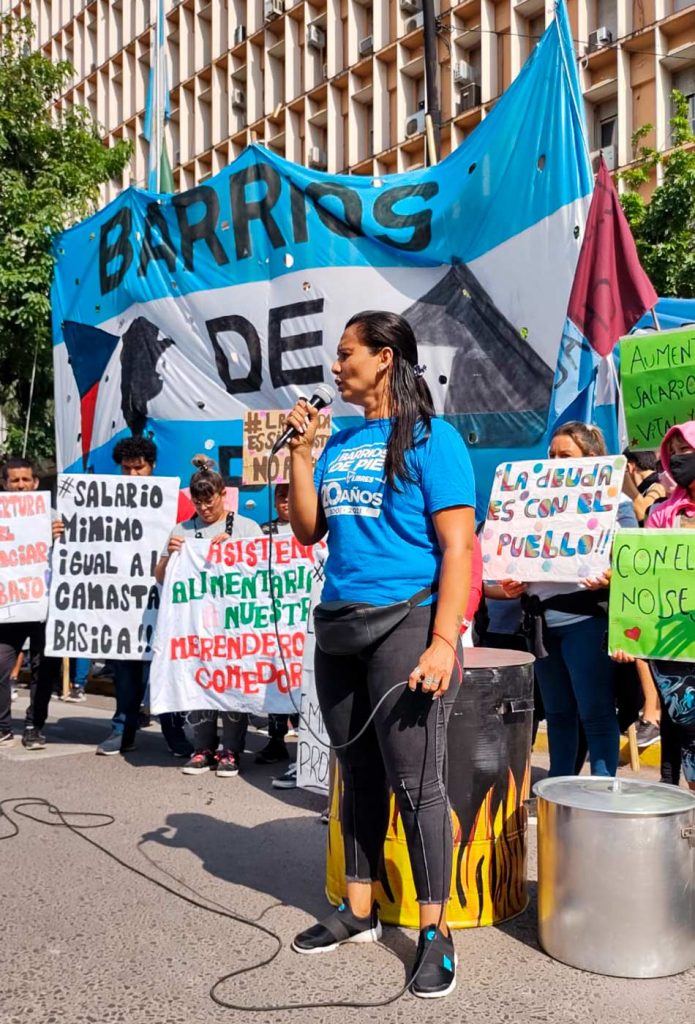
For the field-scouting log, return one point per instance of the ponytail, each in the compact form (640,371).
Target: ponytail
(411,401)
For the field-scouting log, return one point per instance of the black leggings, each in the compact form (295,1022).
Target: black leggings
(403,749)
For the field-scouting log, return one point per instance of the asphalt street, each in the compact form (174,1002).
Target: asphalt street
(87,941)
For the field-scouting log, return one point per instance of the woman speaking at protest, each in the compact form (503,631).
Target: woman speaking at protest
(566,624)
(395,496)
(676,680)
(213,521)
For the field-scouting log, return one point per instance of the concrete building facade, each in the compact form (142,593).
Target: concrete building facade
(340,84)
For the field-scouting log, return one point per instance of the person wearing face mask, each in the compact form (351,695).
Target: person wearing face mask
(675,680)
(214,522)
(566,625)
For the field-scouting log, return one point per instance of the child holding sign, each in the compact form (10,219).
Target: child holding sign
(676,680)
(211,519)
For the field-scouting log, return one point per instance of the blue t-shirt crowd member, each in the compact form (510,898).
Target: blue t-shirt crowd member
(396,498)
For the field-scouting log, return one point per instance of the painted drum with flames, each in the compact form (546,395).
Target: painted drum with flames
(489,766)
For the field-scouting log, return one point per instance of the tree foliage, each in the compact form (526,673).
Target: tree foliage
(51,166)
(664,225)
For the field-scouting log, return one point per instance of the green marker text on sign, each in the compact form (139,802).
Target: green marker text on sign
(652,594)
(658,381)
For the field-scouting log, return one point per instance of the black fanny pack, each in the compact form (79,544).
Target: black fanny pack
(348,627)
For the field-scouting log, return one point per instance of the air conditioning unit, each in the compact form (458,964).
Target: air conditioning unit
(315,37)
(415,124)
(365,46)
(416,22)
(464,73)
(317,158)
(238,99)
(469,97)
(273,9)
(239,34)
(601,37)
(410,6)
(610,157)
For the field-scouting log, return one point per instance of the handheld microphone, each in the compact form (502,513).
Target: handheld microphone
(322,397)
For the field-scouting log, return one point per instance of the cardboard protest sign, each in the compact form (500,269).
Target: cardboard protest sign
(552,519)
(652,595)
(312,754)
(25,544)
(657,373)
(217,645)
(104,600)
(262,428)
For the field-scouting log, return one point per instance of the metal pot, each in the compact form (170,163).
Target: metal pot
(616,875)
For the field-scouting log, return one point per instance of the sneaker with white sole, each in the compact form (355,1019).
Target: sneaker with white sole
(339,927)
(647,733)
(288,779)
(111,745)
(74,695)
(6,737)
(33,739)
(227,765)
(434,970)
(201,761)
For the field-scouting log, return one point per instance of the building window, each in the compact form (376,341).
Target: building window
(684,81)
(607,132)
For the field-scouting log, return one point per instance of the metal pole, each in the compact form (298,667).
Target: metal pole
(432,111)
(31,400)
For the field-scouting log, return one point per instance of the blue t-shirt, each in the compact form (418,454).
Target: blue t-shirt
(382,545)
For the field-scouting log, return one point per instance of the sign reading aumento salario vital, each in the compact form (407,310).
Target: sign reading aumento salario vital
(231,634)
(104,598)
(658,383)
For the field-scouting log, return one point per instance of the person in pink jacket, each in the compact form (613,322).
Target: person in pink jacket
(676,679)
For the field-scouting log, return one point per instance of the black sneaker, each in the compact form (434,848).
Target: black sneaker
(339,927)
(202,761)
(288,780)
(33,739)
(434,971)
(273,752)
(227,765)
(6,737)
(647,733)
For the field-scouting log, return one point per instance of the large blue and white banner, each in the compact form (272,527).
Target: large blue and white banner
(175,314)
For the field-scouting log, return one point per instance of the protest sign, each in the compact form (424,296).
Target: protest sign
(657,373)
(312,753)
(25,543)
(262,428)
(229,637)
(104,600)
(552,519)
(652,595)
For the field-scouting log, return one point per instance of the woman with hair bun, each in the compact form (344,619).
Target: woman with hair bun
(211,520)
(566,624)
(395,495)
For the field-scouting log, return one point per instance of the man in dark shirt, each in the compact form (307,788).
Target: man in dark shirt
(18,474)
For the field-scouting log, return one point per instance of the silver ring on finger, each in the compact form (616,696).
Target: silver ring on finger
(430,683)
